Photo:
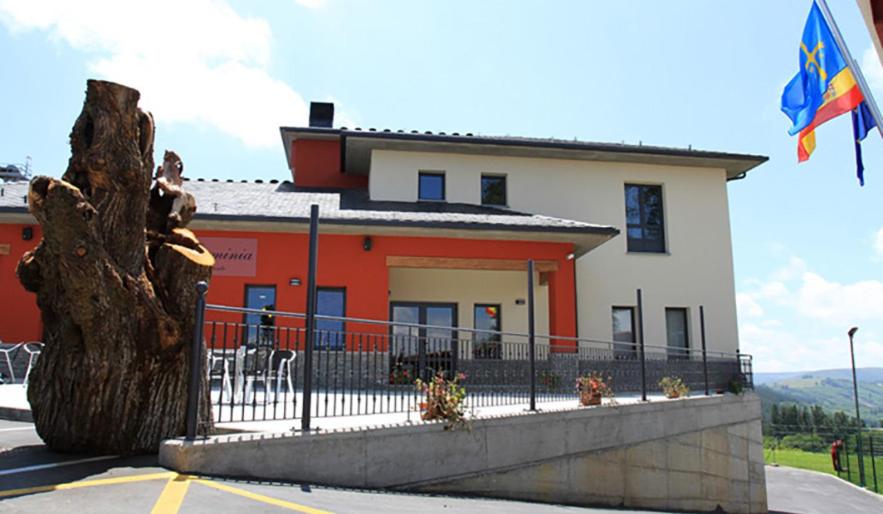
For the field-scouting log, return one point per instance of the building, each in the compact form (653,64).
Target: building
(437,228)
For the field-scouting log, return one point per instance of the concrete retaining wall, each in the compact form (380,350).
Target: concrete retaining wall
(689,454)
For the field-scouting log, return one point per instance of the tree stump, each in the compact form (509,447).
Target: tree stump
(117,302)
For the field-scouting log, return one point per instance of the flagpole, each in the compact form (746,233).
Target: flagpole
(852,64)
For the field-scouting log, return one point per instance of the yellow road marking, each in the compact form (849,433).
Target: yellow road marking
(172,496)
(261,498)
(88,483)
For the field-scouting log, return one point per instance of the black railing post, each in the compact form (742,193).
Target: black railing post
(455,355)
(310,321)
(193,392)
(704,351)
(873,460)
(641,346)
(531,341)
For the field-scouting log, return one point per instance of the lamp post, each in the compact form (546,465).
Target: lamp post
(858,417)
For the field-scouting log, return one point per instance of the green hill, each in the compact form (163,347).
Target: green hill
(832,394)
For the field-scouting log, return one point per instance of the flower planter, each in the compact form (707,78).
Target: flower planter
(673,396)
(587,398)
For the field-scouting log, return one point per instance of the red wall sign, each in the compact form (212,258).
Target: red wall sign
(234,257)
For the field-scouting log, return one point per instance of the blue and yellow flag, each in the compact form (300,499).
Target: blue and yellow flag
(823,88)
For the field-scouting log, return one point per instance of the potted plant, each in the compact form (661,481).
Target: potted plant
(443,399)
(592,388)
(673,387)
(400,375)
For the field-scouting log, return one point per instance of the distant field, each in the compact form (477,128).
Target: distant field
(822,462)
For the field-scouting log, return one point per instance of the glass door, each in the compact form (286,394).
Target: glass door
(420,351)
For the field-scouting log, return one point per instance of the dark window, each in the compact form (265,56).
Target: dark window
(485,345)
(330,301)
(645,226)
(421,351)
(431,186)
(624,332)
(676,333)
(493,190)
(259,325)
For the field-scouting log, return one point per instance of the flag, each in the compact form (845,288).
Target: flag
(823,88)
(862,123)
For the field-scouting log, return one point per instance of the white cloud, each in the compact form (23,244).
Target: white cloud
(747,306)
(194,62)
(311,4)
(811,317)
(878,242)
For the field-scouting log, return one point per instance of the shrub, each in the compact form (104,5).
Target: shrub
(444,399)
(673,387)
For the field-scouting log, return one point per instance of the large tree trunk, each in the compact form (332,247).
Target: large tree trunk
(117,307)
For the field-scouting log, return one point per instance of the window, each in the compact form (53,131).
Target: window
(431,186)
(676,333)
(259,297)
(330,301)
(421,351)
(493,190)
(645,225)
(624,332)
(487,346)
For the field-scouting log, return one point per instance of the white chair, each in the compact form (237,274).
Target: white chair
(33,349)
(219,367)
(7,353)
(280,369)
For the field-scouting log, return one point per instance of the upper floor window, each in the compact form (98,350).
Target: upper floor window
(493,190)
(645,225)
(431,186)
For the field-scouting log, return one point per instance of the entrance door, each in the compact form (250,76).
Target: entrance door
(421,351)
(259,297)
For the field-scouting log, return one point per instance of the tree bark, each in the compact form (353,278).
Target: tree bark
(118,307)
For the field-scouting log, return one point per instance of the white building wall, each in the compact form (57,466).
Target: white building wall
(696,270)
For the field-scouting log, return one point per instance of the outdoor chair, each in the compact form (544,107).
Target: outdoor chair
(219,368)
(8,355)
(254,367)
(280,369)
(33,350)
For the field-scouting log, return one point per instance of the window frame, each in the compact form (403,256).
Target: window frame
(631,350)
(495,350)
(505,180)
(335,347)
(678,352)
(639,245)
(444,185)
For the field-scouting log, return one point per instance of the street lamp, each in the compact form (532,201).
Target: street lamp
(858,417)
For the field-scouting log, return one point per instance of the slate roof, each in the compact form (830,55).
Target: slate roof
(284,202)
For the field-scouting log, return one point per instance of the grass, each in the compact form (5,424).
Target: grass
(822,462)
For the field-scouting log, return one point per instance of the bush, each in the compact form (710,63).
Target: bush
(805,442)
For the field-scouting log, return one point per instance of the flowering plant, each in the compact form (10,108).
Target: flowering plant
(443,399)
(673,387)
(594,383)
(592,388)
(400,375)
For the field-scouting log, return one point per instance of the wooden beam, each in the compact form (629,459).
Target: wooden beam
(400,261)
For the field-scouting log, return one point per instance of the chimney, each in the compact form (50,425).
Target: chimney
(321,114)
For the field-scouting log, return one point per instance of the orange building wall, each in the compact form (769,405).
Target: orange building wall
(342,263)
(19,316)
(316,163)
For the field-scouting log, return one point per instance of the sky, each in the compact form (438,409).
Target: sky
(221,76)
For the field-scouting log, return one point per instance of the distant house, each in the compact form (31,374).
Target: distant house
(437,228)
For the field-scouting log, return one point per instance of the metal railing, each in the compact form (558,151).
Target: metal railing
(298,366)
(262,372)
